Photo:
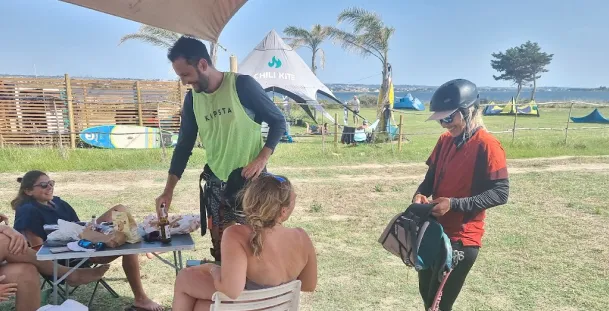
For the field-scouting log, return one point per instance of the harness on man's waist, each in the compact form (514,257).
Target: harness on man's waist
(219,205)
(207,196)
(218,199)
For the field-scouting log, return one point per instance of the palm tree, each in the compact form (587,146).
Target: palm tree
(165,39)
(300,37)
(370,36)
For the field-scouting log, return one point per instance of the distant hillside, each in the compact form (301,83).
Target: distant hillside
(369,88)
(360,88)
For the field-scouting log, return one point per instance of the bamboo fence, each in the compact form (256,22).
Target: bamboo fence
(53,111)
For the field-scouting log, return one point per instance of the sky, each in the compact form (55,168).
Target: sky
(434,41)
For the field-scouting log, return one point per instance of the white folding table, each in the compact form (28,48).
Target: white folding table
(178,244)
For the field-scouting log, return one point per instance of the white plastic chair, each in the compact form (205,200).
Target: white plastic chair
(285,297)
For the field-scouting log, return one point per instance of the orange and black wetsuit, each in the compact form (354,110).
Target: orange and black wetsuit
(473,174)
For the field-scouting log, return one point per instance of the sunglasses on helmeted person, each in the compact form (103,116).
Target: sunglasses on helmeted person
(448,119)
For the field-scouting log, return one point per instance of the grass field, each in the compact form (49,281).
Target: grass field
(308,151)
(546,249)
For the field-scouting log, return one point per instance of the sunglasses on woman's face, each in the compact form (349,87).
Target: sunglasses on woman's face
(45,184)
(449,119)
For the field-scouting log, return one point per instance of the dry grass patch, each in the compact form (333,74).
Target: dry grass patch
(546,249)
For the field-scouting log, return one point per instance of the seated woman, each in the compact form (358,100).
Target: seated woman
(35,206)
(364,125)
(19,272)
(261,254)
(316,130)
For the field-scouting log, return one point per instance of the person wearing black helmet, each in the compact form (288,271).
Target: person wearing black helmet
(467,174)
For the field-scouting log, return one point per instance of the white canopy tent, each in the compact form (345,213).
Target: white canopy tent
(279,68)
(204,19)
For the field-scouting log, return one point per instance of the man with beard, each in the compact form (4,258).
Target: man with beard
(226,110)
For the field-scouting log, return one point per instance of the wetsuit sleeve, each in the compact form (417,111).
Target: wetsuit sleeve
(253,97)
(496,179)
(186,138)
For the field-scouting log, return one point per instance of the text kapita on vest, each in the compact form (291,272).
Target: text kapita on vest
(217,113)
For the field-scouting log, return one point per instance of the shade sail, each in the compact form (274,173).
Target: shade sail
(204,19)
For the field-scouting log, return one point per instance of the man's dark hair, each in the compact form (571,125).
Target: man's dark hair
(191,49)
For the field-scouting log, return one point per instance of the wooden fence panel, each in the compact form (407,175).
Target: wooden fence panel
(100,102)
(34,111)
(161,105)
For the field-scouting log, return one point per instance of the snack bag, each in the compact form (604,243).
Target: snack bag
(124,222)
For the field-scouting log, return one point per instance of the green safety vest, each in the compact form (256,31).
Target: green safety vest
(231,138)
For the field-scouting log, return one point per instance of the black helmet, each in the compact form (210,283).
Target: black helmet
(451,96)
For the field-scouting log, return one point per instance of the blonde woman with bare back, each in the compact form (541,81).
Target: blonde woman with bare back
(259,254)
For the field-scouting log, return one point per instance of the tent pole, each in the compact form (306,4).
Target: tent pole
(515,115)
(323,135)
(61,150)
(400,133)
(389,128)
(158,107)
(568,121)
(335,130)
(233,63)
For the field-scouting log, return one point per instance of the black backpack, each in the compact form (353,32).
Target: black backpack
(418,239)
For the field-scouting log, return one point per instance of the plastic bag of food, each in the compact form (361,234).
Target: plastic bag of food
(179,224)
(124,222)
